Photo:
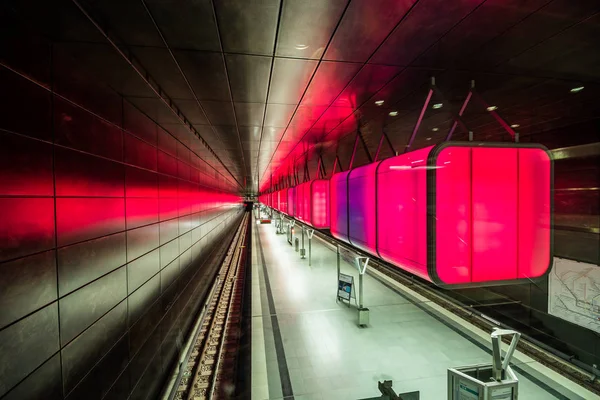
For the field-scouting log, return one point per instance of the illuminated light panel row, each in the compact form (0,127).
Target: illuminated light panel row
(307,202)
(455,214)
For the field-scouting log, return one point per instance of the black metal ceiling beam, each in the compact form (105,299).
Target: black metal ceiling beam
(383,137)
(365,147)
(420,119)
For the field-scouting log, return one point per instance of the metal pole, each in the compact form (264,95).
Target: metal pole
(338,260)
(310,234)
(302,252)
(360,291)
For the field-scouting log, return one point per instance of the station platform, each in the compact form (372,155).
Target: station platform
(307,345)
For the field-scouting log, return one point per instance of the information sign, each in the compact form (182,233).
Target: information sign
(345,283)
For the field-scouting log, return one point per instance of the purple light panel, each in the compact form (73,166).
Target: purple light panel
(338,195)
(361,209)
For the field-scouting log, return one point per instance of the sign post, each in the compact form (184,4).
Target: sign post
(310,234)
(345,288)
(291,232)
(302,251)
(363,313)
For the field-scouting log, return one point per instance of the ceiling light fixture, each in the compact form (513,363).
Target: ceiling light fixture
(437,105)
(301,47)
(492,108)
(515,125)
(379,102)
(428,138)
(435,129)
(577,89)
(393,113)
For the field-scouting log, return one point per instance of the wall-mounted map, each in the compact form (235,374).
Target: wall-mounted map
(574,293)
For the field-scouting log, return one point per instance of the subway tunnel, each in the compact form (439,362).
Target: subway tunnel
(165,165)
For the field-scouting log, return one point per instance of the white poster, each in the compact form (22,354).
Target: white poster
(504,393)
(574,293)
(467,390)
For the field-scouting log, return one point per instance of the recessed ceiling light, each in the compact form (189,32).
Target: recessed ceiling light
(492,108)
(301,47)
(393,113)
(428,138)
(379,102)
(435,129)
(515,125)
(437,105)
(577,89)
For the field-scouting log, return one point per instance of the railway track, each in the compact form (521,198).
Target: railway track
(211,368)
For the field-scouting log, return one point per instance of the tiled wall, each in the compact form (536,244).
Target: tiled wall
(106,227)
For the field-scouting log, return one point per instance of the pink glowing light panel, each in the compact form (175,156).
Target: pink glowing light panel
(299,211)
(283,201)
(306,203)
(467,214)
(291,205)
(320,203)
(361,208)
(497,225)
(402,211)
(338,210)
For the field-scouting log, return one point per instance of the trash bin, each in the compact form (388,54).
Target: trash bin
(484,381)
(296,244)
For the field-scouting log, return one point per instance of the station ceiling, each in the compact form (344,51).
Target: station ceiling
(269,84)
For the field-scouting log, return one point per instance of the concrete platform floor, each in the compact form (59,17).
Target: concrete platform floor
(305,345)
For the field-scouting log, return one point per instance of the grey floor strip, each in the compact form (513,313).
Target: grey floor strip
(284,373)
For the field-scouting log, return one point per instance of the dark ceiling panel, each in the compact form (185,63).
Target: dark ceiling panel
(228,135)
(550,20)
(306,27)
(278,115)
(426,23)
(129,21)
(249,77)
(581,37)
(485,23)
(155,109)
(249,114)
(61,21)
(219,112)
(365,24)
(186,24)
(192,111)
(247,27)
(289,80)
(365,84)
(407,81)
(206,73)
(160,65)
(207,133)
(330,79)
(101,62)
